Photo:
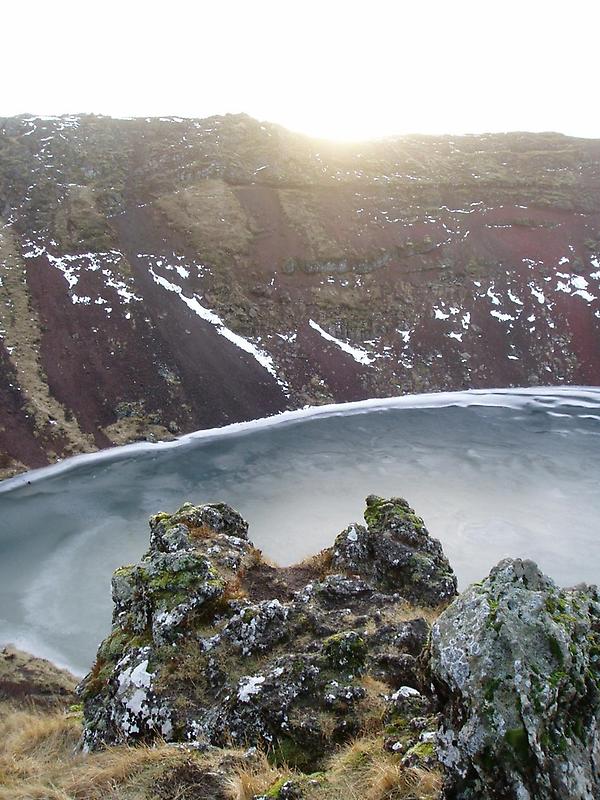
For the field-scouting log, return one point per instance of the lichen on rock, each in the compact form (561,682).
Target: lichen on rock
(213,647)
(396,552)
(200,652)
(516,662)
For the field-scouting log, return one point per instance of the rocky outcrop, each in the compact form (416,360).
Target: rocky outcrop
(516,661)
(396,553)
(213,646)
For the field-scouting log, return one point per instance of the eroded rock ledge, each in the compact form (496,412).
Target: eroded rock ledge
(34,682)
(212,646)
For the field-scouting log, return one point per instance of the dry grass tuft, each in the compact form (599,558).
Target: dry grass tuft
(320,562)
(404,612)
(374,705)
(39,760)
(95,775)
(234,589)
(31,742)
(387,780)
(254,779)
(361,770)
(256,558)
(201,531)
(365,771)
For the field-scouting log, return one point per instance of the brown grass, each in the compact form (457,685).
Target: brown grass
(40,760)
(255,779)
(365,771)
(320,562)
(134,429)
(303,214)
(234,589)
(360,771)
(374,705)
(10,466)
(256,557)
(201,531)
(404,612)
(211,216)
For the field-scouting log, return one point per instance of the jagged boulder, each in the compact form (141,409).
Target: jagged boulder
(211,645)
(516,661)
(396,553)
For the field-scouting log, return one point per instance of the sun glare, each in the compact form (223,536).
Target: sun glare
(345,70)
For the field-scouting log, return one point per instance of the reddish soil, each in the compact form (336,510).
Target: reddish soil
(264,582)
(17,437)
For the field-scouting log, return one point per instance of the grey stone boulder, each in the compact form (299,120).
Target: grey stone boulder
(395,553)
(516,663)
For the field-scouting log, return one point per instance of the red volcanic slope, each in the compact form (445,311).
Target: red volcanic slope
(164,276)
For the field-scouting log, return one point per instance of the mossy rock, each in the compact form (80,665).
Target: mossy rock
(346,651)
(380,513)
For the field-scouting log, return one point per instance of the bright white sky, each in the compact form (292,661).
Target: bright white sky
(336,68)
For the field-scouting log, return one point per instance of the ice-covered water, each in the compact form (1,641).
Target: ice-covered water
(494,474)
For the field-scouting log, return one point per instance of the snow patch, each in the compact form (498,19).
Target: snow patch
(502,317)
(72,265)
(249,685)
(574,285)
(493,297)
(358,354)
(514,298)
(537,293)
(288,337)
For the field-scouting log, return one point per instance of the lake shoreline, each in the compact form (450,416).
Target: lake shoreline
(499,397)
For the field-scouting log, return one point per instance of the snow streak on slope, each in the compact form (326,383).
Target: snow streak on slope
(357,353)
(263,358)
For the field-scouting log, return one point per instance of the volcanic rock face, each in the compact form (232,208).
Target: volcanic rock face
(211,645)
(516,661)
(162,275)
